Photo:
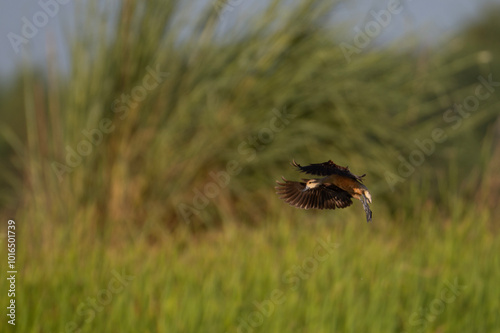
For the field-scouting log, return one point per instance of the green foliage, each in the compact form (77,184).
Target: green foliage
(170,123)
(201,101)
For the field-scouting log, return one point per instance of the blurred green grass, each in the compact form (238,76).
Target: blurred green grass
(217,102)
(117,210)
(375,278)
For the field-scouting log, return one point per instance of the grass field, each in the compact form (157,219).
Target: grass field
(322,273)
(142,181)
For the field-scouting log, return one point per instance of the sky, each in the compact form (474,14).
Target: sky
(30,29)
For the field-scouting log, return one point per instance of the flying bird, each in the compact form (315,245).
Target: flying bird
(334,189)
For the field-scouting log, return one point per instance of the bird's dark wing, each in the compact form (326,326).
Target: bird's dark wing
(326,169)
(322,197)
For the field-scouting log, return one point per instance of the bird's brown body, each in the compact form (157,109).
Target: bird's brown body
(351,186)
(334,190)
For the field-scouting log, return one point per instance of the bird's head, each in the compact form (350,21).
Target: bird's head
(368,196)
(311,183)
(362,193)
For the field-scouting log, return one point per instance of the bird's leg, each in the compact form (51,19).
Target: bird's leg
(367,208)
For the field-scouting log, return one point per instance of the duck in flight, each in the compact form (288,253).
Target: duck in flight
(334,189)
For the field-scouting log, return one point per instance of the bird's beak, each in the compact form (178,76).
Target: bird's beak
(305,188)
(364,199)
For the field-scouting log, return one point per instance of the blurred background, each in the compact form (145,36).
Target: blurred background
(141,142)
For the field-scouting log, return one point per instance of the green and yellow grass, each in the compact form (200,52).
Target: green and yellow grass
(103,244)
(380,277)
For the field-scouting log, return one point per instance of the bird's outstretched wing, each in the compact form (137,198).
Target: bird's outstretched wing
(321,197)
(326,169)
